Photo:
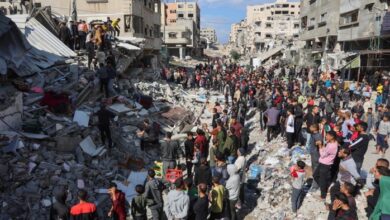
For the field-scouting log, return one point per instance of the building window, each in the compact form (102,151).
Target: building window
(172,21)
(172,35)
(312,1)
(286,5)
(268,36)
(146,31)
(323,17)
(349,17)
(261,9)
(190,6)
(296,26)
(156,30)
(285,12)
(145,3)
(180,5)
(278,12)
(292,12)
(258,23)
(369,7)
(180,15)
(172,11)
(190,15)
(292,6)
(268,25)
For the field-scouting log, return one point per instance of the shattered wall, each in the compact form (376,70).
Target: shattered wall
(13,114)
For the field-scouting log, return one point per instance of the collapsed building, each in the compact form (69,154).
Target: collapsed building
(48,140)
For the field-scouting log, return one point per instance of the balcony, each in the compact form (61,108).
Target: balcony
(178,40)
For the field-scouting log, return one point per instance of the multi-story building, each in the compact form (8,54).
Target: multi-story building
(209,33)
(352,26)
(181,28)
(319,24)
(239,36)
(272,22)
(139,19)
(361,30)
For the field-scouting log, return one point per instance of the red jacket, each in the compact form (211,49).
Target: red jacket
(202,141)
(83,211)
(119,208)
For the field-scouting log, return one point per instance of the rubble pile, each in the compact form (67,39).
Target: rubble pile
(272,197)
(49,138)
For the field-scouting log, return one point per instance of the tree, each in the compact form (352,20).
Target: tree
(235,55)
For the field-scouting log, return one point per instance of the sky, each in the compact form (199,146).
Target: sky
(220,14)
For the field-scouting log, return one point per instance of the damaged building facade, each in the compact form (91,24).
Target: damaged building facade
(181,28)
(139,19)
(336,32)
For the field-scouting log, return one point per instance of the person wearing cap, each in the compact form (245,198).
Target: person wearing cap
(118,200)
(153,195)
(84,210)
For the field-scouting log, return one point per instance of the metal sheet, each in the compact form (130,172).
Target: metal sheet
(41,38)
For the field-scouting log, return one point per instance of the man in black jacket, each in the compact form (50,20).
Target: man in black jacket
(360,145)
(59,210)
(104,117)
(64,34)
(189,152)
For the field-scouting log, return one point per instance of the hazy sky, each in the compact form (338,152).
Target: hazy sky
(220,14)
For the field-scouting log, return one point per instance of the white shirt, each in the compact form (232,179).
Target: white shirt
(290,124)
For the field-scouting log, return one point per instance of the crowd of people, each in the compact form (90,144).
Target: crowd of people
(331,119)
(77,34)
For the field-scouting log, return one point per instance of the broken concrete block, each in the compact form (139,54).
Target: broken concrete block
(82,118)
(80,184)
(90,148)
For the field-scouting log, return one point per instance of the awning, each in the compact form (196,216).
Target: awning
(128,46)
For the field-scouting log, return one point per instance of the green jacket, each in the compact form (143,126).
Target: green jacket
(217,196)
(221,136)
(138,206)
(231,146)
(383,205)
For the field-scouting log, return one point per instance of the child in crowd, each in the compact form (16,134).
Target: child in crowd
(138,204)
(383,135)
(298,180)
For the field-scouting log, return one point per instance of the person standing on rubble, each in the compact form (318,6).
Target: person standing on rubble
(153,195)
(64,34)
(118,200)
(103,79)
(170,151)
(104,117)
(111,72)
(90,48)
(83,210)
(59,210)
(115,25)
(83,30)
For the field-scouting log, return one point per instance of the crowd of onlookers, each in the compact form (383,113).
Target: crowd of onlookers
(331,119)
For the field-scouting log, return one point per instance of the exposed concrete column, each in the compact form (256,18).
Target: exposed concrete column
(182,52)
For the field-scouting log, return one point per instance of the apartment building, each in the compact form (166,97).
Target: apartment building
(181,28)
(319,24)
(268,23)
(239,36)
(209,33)
(362,29)
(139,18)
